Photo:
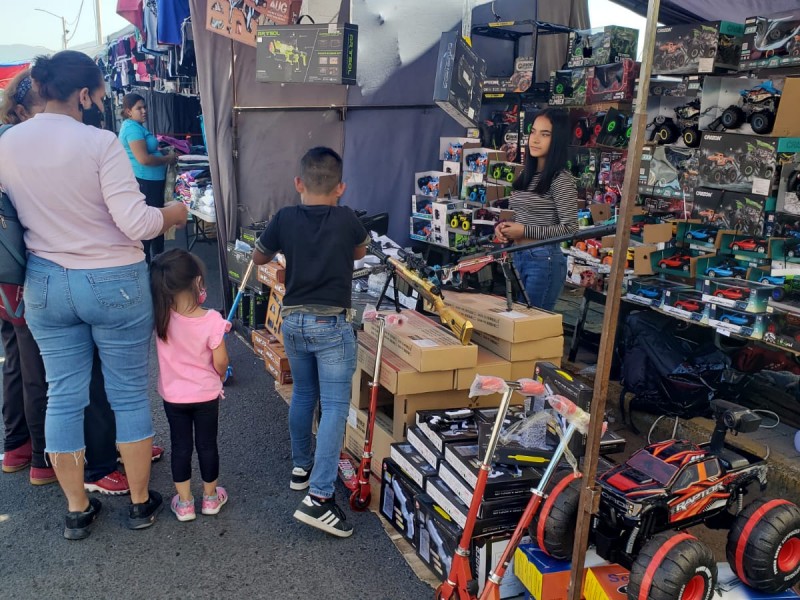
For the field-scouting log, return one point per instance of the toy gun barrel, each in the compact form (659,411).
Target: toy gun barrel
(591,232)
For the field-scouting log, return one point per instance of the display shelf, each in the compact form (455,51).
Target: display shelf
(513,31)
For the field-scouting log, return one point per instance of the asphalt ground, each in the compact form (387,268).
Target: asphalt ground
(252,549)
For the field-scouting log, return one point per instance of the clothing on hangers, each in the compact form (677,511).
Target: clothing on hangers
(171,14)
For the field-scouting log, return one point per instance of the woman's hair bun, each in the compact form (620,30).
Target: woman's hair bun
(42,69)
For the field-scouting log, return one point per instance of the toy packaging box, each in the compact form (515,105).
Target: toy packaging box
(457,510)
(547,578)
(649,291)
(668,171)
(748,106)
(451,149)
(459,76)
(397,498)
(502,172)
(697,48)
(609,582)
(730,587)
(561,381)
(519,81)
(504,481)
(751,247)
(673,111)
(771,41)
(437,535)
(420,442)
(699,235)
(412,462)
(687,304)
(745,296)
(613,82)
(476,160)
(729,320)
(445,426)
(307,53)
(737,162)
(783,328)
(615,129)
(489,509)
(512,451)
(601,46)
(788,200)
(717,266)
(568,87)
(680,262)
(436,184)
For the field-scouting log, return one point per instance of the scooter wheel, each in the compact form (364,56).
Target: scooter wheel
(359,504)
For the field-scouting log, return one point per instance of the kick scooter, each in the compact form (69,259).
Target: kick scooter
(460,584)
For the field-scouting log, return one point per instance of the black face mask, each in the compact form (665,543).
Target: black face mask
(92,116)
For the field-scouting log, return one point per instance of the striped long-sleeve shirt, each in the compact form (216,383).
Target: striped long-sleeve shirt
(549,215)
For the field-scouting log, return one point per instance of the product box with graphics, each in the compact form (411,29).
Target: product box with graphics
(437,535)
(412,462)
(356,430)
(668,171)
(459,76)
(568,87)
(398,493)
(746,296)
(686,304)
(697,47)
(560,381)
(307,53)
(420,442)
(436,184)
(489,508)
(544,577)
(737,162)
(519,82)
(237,267)
(458,510)
(504,479)
(771,41)
(742,105)
(487,552)
(783,328)
(271,274)
(613,82)
(601,46)
(729,320)
(447,426)
(608,582)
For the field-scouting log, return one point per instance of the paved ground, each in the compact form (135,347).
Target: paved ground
(252,549)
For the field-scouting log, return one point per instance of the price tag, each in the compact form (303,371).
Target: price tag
(723,331)
(705,65)
(425,343)
(761,186)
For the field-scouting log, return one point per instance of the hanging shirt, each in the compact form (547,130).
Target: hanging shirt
(132,131)
(151,28)
(171,14)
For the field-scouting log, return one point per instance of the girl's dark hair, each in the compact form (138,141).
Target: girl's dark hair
(62,74)
(128,102)
(556,160)
(171,273)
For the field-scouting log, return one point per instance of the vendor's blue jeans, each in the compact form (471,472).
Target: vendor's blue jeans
(322,355)
(70,311)
(543,271)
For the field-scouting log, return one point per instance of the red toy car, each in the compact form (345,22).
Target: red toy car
(688,305)
(749,245)
(733,293)
(677,261)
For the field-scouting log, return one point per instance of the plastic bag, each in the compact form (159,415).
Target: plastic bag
(485,385)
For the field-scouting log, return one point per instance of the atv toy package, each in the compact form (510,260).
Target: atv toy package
(601,46)
(771,41)
(612,83)
(674,118)
(697,48)
(737,162)
(568,87)
(748,106)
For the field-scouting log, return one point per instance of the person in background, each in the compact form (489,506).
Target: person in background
(24,383)
(320,241)
(86,281)
(149,164)
(192,360)
(545,205)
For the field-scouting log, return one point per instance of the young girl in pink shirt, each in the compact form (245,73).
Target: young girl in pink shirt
(192,360)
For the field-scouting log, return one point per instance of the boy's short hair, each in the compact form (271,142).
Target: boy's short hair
(321,170)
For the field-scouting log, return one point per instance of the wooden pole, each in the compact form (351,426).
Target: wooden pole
(590,497)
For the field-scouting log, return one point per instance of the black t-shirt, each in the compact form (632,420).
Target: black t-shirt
(318,242)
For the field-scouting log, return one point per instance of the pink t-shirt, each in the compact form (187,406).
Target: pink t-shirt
(185,359)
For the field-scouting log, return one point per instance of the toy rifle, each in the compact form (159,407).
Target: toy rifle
(410,271)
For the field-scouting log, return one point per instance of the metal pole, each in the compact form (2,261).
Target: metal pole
(98,19)
(63,33)
(590,498)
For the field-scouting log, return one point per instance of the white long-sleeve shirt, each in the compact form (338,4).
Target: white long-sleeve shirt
(75,193)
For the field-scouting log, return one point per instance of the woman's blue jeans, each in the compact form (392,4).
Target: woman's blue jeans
(543,271)
(322,355)
(69,312)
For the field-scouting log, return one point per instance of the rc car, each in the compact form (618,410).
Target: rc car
(428,185)
(733,293)
(646,504)
(726,269)
(453,152)
(773,280)
(789,287)
(677,261)
(735,319)
(749,245)
(688,305)
(757,106)
(667,130)
(707,234)
(502,171)
(649,292)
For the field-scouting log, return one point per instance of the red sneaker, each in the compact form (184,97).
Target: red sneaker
(17,459)
(113,484)
(43,476)
(158,452)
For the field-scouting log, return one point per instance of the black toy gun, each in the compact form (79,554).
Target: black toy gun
(429,291)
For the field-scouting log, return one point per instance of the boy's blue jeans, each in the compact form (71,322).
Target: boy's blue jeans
(322,355)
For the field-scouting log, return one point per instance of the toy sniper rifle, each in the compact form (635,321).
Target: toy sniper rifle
(410,271)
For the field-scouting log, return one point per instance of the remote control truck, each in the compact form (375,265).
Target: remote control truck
(647,503)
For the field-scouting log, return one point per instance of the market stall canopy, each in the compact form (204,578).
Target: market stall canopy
(674,12)
(8,71)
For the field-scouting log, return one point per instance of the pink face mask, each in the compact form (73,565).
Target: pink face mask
(201,297)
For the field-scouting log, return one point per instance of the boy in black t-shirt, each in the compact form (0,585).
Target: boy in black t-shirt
(320,241)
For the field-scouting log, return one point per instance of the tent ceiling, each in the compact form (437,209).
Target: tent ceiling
(674,12)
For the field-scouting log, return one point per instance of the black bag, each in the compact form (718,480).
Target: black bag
(12,244)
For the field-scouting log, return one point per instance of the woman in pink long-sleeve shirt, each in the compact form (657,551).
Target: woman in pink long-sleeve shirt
(86,283)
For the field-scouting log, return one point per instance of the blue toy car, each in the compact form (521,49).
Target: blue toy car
(726,270)
(649,292)
(772,280)
(734,319)
(704,235)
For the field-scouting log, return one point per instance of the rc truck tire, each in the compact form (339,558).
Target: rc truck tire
(762,122)
(554,527)
(667,133)
(673,566)
(691,137)
(764,545)
(733,117)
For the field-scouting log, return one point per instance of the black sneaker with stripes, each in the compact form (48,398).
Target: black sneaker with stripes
(323,515)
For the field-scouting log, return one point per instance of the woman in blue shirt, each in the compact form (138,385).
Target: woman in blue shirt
(149,163)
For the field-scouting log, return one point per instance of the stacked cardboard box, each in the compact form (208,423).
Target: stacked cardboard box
(269,343)
(268,347)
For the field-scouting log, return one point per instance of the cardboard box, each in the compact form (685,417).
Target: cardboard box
(525,369)
(282,377)
(520,351)
(732,161)
(457,509)
(459,76)
(250,233)
(544,577)
(608,582)
(667,171)
(783,328)
(697,47)
(488,364)
(437,536)
(323,53)
(271,274)
(679,262)
(601,46)
(397,376)
(503,172)
(476,160)
(406,406)
(505,481)
(770,41)
(274,321)
(560,381)
(436,184)
(442,426)
(420,442)
(451,149)
(490,314)
(487,552)
(426,345)
(398,494)
(237,267)
(382,438)
(489,509)
(412,462)
(276,355)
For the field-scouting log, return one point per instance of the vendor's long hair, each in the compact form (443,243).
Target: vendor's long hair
(171,273)
(556,160)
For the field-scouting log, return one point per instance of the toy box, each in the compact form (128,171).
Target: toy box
(324,53)
(513,452)
(484,193)
(412,462)
(608,582)
(783,328)
(612,82)
(519,81)
(786,294)
(697,47)
(729,587)
(601,46)
(748,106)
(504,481)
(489,508)
(437,535)
(687,304)
(742,245)
(444,427)
(583,164)
(420,229)
(420,442)
(398,493)
(616,129)
(771,41)
(422,206)
(674,118)
(451,149)
(436,184)
(746,296)
(502,172)
(457,510)
(699,235)
(736,162)
(568,87)
(649,291)
(742,212)
(712,267)
(487,551)
(459,76)
(561,381)
(476,160)
(586,126)
(728,320)
(681,262)
(668,171)
(785,254)
(789,189)
(544,577)
(610,177)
